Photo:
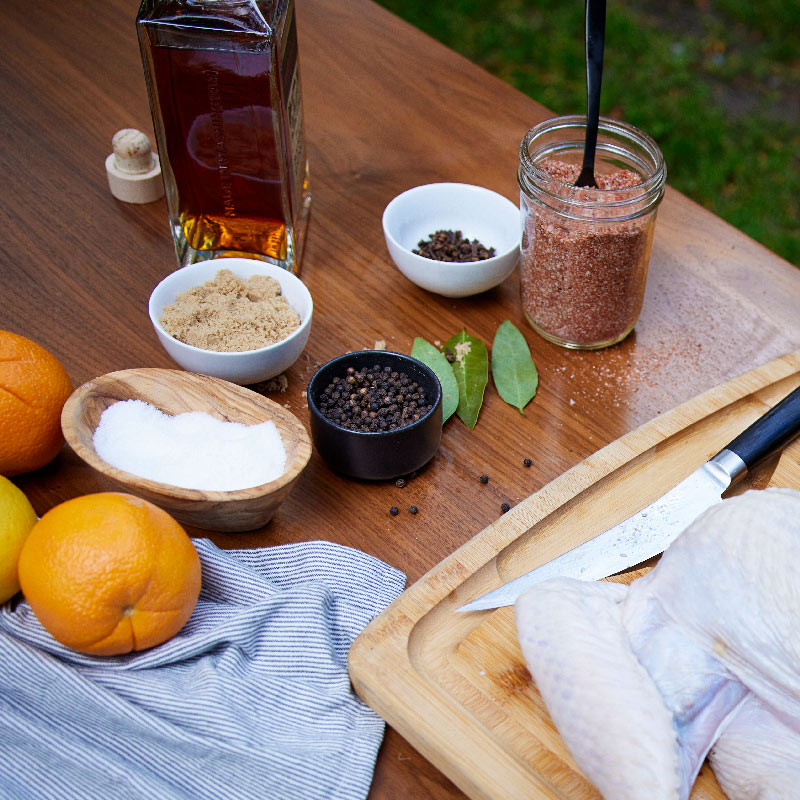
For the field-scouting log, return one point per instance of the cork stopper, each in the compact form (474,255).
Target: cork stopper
(134,171)
(132,151)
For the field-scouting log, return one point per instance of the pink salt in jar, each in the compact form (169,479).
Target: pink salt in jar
(585,252)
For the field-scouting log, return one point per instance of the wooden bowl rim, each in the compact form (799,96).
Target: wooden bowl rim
(76,401)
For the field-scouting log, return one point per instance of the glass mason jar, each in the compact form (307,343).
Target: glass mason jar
(224,91)
(585,252)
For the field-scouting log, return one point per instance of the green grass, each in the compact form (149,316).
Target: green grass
(714,84)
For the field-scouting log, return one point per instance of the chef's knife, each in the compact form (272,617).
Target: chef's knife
(650,531)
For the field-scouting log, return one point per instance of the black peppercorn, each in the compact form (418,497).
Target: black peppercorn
(527,462)
(505,507)
(413,509)
(394,511)
(484,479)
(400,483)
(375,399)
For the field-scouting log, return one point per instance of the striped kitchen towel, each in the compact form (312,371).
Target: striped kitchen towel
(250,700)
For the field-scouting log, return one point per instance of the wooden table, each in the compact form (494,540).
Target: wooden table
(386,108)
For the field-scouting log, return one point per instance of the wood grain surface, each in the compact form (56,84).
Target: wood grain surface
(386,108)
(456,684)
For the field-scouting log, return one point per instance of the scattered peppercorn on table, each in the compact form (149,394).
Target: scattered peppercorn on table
(78,266)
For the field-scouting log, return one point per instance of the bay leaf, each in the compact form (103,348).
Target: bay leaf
(471,369)
(515,375)
(425,352)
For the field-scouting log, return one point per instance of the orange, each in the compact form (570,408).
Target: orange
(108,573)
(33,389)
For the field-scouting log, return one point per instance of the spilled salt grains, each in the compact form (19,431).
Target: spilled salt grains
(192,450)
(372,400)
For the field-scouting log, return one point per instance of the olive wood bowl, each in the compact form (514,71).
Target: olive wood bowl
(175,392)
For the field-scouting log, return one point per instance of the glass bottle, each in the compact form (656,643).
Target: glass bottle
(224,89)
(585,253)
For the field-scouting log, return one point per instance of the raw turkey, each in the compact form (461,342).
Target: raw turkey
(700,657)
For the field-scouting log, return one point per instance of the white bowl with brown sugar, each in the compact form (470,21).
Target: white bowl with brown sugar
(239,319)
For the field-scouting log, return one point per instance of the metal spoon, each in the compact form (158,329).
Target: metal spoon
(595,37)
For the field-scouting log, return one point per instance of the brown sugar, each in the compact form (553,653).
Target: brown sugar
(231,314)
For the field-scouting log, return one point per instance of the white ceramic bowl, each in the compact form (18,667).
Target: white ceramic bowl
(249,366)
(477,212)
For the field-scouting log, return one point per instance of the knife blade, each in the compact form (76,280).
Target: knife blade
(650,531)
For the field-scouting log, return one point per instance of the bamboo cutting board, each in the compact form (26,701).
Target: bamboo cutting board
(455,685)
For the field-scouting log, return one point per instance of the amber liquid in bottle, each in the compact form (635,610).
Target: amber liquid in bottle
(227,112)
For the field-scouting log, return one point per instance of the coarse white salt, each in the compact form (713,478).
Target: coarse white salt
(192,450)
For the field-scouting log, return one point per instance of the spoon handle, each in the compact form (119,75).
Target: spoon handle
(595,38)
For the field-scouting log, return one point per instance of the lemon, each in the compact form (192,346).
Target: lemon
(17,517)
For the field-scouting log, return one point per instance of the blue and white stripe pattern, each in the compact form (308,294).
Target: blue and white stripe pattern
(250,700)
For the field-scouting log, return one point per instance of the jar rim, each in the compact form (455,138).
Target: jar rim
(652,185)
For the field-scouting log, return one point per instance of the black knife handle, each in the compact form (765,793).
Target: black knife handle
(769,433)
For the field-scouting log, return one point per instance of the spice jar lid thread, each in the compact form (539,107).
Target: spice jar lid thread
(620,145)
